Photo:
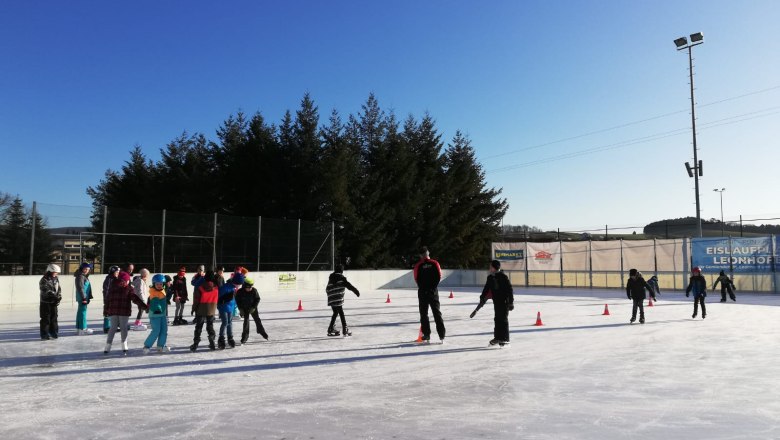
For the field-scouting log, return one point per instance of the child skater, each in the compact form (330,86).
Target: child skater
(204,306)
(726,286)
(113,273)
(157,315)
(654,288)
(247,300)
(51,295)
(83,297)
(226,306)
(337,282)
(180,297)
(697,285)
(118,309)
(635,289)
(499,288)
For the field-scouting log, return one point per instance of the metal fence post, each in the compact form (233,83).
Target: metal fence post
(527,273)
(655,259)
(32,236)
(298,257)
(162,244)
(214,244)
(560,254)
(590,261)
(774,264)
(103,247)
(333,246)
(81,249)
(622,268)
(259,235)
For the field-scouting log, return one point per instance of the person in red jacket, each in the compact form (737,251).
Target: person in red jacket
(204,307)
(118,308)
(427,274)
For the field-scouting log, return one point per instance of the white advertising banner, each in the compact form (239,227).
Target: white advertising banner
(576,255)
(605,255)
(638,254)
(544,256)
(511,255)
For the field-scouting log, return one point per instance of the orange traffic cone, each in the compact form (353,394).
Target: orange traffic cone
(451,295)
(606,309)
(538,319)
(388,299)
(419,337)
(300,305)
(650,302)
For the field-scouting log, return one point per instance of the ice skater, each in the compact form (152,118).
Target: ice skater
(51,295)
(654,288)
(337,282)
(247,300)
(635,289)
(697,285)
(118,308)
(83,297)
(141,288)
(726,286)
(499,289)
(180,296)
(427,274)
(226,306)
(158,317)
(113,273)
(204,307)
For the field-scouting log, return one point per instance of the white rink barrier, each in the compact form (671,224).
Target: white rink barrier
(23,290)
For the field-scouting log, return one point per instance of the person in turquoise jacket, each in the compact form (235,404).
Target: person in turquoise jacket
(158,316)
(226,304)
(83,297)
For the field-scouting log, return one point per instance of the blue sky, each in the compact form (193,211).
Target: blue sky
(82,82)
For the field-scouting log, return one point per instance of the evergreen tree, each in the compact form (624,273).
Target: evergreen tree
(15,240)
(305,155)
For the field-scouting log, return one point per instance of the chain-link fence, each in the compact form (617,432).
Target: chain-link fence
(162,241)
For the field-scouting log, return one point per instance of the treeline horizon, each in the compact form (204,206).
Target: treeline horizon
(389,186)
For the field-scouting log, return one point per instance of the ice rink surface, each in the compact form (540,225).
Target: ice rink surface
(580,376)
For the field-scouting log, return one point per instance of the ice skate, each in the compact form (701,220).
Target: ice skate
(183,321)
(221,343)
(45,337)
(346,332)
(124,348)
(194,347)
(632,320)
(146,350)
(244,339)
(231,342)
(164,349)
(138,327)
(211,344)
(53,336)
(503,344)
(107,349)
(441,341)
(693,316)
(641,320)
(332,332)
(493,341)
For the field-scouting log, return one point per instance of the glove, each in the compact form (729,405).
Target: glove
(704,295)
(85,302)
(687,295)
(510,307)
(473,314)
(192,312)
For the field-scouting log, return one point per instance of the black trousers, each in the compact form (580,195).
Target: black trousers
(724,290)
(49,326)
(638,303)
(501,328)
(696,301)
(256,317)
(199,321)
(337,311)
(430,298)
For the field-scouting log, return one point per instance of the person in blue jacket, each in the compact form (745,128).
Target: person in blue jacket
(226,304)
(698,285)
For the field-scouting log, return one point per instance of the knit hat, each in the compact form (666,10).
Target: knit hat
(633,272)
(85,265)
(248,282)
(124,276)
(495,264)
(238,278)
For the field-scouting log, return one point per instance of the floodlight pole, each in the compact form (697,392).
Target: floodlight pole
(696,165)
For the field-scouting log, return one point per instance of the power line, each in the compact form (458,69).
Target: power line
(628,124)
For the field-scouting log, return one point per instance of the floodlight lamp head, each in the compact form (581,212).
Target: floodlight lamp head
(681,42)
(698,37)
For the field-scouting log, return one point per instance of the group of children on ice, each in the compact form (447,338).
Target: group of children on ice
(237,298)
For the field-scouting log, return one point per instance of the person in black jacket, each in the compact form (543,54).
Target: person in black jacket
(337,282)
(427,274)
(698,285)
(51,295)
(635,289)
(499,288)
(247,300)
(726,286)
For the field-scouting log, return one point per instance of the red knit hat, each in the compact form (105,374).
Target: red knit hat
(124,276)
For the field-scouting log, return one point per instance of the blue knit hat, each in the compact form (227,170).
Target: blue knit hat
(238,278)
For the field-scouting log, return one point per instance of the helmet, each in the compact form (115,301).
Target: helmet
(249,281)
(53,268)
(238,278)
(158,278)
(113,269)
(696,269)
(85,265)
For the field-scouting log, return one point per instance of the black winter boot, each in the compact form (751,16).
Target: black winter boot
(211,344)
(221,343)
(232,343)
(194,346)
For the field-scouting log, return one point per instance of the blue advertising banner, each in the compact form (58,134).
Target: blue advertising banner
(742,255)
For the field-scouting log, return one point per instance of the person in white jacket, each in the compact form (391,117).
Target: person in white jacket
(141,289)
